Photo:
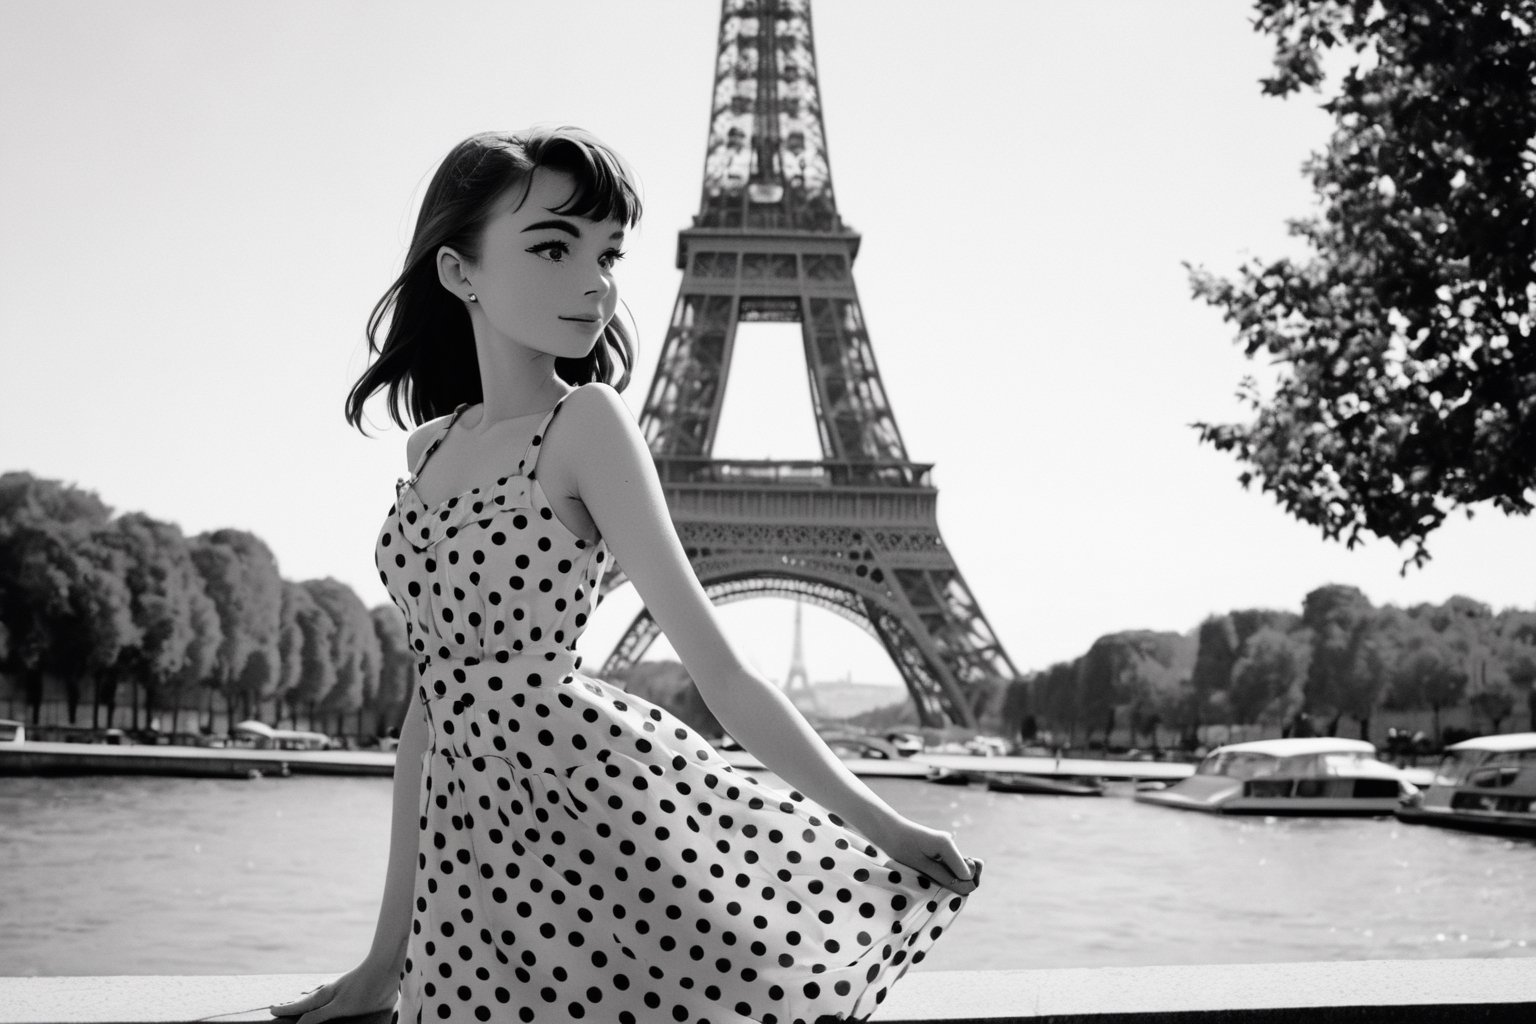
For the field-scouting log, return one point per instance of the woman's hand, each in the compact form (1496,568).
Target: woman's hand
(930,851)
(361,991)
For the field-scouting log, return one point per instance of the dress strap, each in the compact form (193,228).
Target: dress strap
(530,459)
(421,463)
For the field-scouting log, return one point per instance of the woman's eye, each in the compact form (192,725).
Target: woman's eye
(609,258)
(555,252)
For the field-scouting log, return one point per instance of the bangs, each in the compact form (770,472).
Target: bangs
(605,189)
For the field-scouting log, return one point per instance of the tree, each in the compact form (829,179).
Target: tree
(1407,362)
(397,666)
(291,637)
(317,670)
(1248,621)
(168,606)
(1216,653)
(202,654)
(1337,617)
(1377,649)
(1143,672)
(1429,672)
(1056,698)
(354,651)
(1097,695)
(1517,643)
(240,575)
(667,684)
(41,521)
(1494,702)
(1268,677)
(1155,680)
(96,624)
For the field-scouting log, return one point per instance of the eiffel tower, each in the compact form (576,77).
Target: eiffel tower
(855,532)
(797,683)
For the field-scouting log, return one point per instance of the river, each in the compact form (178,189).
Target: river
(192,876)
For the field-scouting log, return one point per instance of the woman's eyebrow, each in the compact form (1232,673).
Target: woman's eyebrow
(558,225)
(568,228)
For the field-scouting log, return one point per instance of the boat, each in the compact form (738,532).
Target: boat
(946,777)
(1045,785)
(265,737)
(1319,775)
(1487,784)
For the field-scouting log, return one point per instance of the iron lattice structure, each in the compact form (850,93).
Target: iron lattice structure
(855,532)
(797,681)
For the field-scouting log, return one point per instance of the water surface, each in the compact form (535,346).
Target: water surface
(197,876)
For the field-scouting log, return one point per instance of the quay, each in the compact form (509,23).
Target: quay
(29,758)
(1481,991)
(33,758)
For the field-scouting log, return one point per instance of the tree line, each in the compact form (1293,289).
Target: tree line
(107,611)
(1340,661)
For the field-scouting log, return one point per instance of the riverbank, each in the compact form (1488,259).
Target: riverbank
(43,759)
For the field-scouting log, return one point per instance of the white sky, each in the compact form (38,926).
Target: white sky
(202,201)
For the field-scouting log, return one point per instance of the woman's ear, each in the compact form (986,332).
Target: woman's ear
(452,272)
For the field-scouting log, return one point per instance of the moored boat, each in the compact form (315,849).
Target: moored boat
(1045,785)
(1321,775)
(1487,784)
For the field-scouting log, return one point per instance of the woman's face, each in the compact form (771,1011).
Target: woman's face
(544,280)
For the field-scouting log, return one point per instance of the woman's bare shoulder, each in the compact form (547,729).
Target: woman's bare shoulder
(600,406)
(423,436)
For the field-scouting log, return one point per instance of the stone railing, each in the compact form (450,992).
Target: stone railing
(1359,992)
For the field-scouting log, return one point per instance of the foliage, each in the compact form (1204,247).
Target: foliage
(1338,618)
(1141,671)
(354,646)
(64,610)
(1426,658)
(98,624)
(105,609)
(168,604)
(397,666)
(1429,676)
(1217,645)
(1406,382)
(668,685)
(1268,678)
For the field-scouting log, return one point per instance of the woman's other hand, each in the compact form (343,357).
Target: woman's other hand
(364,990)
(932,852)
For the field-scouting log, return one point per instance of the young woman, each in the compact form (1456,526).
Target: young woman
(561,850)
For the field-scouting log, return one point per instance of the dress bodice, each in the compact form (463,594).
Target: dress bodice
(489,570)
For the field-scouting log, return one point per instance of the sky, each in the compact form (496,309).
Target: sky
(200,204)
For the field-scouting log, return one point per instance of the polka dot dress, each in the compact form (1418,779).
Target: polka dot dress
(585,856)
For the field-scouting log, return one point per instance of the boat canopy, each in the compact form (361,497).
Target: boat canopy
(282,737)
(1501,742)
(1300,745)
(1248,764)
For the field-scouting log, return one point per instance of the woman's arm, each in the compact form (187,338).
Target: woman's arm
(616,481)
(394,927)
(373,984)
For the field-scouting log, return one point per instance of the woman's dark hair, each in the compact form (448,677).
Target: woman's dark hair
(427,358)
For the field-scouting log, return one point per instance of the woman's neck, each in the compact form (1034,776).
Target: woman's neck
(516,381)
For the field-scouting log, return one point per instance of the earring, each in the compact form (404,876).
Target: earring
(472,297)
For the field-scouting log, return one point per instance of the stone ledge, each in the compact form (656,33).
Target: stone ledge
(1359,992)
